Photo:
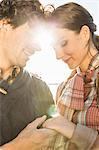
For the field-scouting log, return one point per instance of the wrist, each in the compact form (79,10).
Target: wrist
(70,130)
(84,137)
(9,146)
(67,130)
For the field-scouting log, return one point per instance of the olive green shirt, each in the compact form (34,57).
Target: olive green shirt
(27,98)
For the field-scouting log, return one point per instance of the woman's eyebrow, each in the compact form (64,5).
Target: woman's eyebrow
(61,40)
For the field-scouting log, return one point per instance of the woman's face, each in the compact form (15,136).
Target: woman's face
(18,44)
(71,46)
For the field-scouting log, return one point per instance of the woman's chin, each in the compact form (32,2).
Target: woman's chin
(72,66)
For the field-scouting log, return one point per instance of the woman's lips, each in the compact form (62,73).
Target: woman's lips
(66,60)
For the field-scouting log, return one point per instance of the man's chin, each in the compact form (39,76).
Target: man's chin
(22,65)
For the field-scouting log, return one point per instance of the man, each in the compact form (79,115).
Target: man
(22,97)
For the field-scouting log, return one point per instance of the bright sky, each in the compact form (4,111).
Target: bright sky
(44,63)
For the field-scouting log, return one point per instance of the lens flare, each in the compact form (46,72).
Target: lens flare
(44,36)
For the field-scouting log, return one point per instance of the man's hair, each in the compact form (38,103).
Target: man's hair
(17,12)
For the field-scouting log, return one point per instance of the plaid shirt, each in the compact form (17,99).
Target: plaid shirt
(77,98)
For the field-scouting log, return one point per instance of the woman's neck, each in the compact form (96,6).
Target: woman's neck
(85,64)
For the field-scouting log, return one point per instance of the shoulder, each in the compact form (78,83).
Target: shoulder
(31,76)
(38,81)
(40,85)
(63,84)
(31,79)
(36,76)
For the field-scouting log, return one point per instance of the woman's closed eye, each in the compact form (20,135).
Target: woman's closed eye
(60,44)
(63,43)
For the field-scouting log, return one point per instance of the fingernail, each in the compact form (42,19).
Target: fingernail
(44,116)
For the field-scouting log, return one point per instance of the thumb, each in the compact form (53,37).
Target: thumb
(37,122)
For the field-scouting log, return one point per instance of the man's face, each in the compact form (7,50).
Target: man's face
(19,44)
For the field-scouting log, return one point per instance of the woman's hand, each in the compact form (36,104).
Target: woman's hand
(61,125)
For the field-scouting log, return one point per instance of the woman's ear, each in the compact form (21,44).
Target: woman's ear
(85,33)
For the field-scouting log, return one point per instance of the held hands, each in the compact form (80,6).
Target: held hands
(36,138)
(32,138)
(61,125)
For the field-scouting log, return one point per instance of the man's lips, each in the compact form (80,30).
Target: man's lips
(29,50)
(28,53)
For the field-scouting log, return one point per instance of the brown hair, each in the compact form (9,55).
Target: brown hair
(19,11)
(73,16)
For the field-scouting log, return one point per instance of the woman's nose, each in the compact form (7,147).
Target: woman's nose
(59,53)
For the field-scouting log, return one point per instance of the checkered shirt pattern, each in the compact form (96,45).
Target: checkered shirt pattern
(77,98)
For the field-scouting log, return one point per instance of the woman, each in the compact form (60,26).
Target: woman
(22,97)
(77,98)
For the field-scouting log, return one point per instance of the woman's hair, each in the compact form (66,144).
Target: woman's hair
(17,12)
(73,16)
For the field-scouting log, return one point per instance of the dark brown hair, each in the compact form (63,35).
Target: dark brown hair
(73,16)
(19,11)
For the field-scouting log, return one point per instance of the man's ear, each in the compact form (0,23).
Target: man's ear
(5,25)
(4,30)
(85,33)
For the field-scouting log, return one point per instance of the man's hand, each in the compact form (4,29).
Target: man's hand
(32,138)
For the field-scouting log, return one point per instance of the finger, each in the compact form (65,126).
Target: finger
(47,122)
(38,121)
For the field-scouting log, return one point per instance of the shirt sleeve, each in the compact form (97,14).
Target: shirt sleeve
(84,137)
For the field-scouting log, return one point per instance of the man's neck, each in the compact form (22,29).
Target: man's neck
(5,68)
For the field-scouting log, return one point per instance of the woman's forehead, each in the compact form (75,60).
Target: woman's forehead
(63,32)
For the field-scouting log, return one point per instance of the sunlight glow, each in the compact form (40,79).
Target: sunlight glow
(44,36)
